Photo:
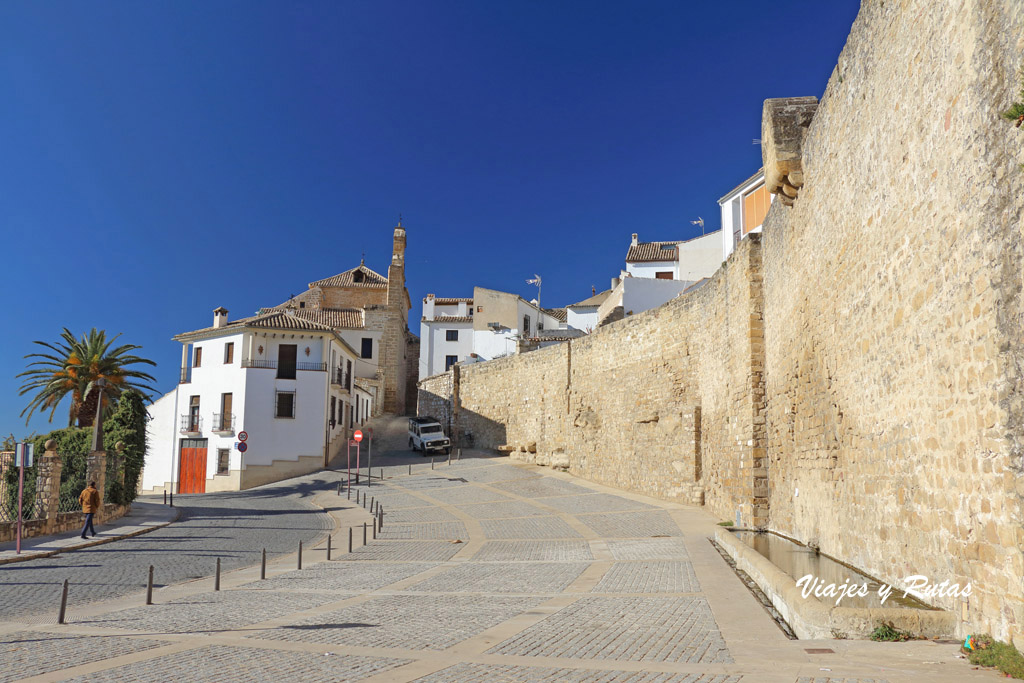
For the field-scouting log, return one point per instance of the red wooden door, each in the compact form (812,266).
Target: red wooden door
(192,466)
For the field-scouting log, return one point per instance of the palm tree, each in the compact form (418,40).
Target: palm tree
(73,368)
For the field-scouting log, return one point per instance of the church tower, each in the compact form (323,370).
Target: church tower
(394,343)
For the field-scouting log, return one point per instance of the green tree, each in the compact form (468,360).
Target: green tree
(72,368)
(127,426)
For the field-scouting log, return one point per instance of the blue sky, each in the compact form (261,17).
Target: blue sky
(161,159)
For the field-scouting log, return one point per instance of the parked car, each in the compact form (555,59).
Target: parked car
(426,434)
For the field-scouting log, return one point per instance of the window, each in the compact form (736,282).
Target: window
(286,357)
(357,410)
(193,413)
(229,353)
(333,414)
(451,335)
(223,455)
(348,375)
(285,404)
(663,275)
(526,326)
(449,361)
(367,350)
(197,356)
(755,206)
(226,418)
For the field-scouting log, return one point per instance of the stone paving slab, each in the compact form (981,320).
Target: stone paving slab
(417,515)
(207,613)
(423,622)
(429,531)
(487,475)
(645,629)
(595,502)
(226,664)
(649,577)
(632,524)
(467,493)
(499,510)
(496,673)
(534,551)
(342,576)
(539,577)
(397,500)
(528,527)
(30,653)
(649,549)
(541,487)
(402,551)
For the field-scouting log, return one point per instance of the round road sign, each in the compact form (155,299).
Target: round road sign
(242,436)
(243,447)
(358,436)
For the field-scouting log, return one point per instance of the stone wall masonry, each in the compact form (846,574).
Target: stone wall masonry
(893,310)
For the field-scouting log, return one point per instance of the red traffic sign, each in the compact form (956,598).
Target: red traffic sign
(243,447)
(358,436)
(242,436)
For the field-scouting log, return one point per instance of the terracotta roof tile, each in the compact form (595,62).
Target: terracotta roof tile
(559,314)
(360,276)
(450,319)
(336,318)
(451,301)
(652,251)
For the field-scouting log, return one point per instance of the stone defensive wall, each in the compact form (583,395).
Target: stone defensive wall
(852,380)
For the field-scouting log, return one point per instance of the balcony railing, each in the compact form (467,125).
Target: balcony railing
(223,423)
(191,424)
(342,379)
(274,365)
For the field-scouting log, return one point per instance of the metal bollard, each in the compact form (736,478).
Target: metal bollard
(449,457)
(460,455)
(375,527)
(165,497)
(263,565)
(328,547)
(410,469)
(381,470)
(339,488)
(431,462)
(216,578)
(300,555)
(63,603)
(364,533)
(149,587)
(350,539)
(380,518)
(372,500)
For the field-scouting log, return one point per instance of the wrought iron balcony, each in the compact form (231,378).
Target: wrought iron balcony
(223,423)
(340,378)
(274,365)
(191,424)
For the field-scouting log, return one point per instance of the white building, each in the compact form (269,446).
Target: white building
(743,211)
(686,260)
(285,380)
(583,315)
(489,325)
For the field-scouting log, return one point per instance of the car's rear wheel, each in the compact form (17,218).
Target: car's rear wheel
(412,445)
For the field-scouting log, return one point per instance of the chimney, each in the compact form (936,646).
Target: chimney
(220,316)
(633,243)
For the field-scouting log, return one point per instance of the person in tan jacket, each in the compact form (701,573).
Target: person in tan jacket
(90,500)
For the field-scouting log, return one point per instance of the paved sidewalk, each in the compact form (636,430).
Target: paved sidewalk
(485,570)
(144,517)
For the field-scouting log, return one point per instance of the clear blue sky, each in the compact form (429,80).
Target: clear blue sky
(160,159)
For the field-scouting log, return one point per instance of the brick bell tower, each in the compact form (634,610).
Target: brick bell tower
(393,342)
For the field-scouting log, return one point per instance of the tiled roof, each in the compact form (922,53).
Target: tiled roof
(450,319)
(450,301)
(652,251)
(349,278)
(559,314)
(335,318)
(592,302)
(280,320)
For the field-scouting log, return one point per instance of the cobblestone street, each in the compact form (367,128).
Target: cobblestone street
(551,580)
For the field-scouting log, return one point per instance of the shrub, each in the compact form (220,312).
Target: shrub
(1003,656)
(887,632)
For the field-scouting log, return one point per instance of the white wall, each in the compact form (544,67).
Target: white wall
(699,258)
(277,438)
(651,268)
(642,294)
(354,338)
(434,345)
(582,318)
(161,440)
(489,345)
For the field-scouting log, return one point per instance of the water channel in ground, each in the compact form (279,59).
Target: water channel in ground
(798,560)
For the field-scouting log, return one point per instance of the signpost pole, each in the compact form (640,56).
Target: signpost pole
(369,461)
(357,462)
(20,449)
(348,462)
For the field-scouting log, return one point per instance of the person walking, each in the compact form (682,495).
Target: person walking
(90,500)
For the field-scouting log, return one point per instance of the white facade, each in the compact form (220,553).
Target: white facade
(285,409)
(437,347)
(699,257)
(733,212)
(651,269)
(643,294)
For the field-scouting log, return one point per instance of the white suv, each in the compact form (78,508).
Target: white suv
(427,435)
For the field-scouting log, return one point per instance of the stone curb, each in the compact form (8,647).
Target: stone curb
(88,544)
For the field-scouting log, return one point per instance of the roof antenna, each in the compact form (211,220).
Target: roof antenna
(700,222)
(362,261)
